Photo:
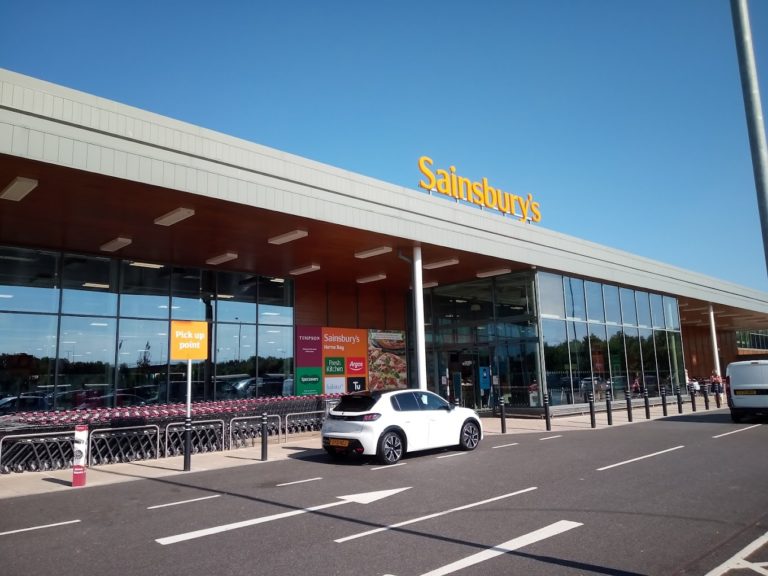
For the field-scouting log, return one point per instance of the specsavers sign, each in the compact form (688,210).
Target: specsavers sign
(479,192)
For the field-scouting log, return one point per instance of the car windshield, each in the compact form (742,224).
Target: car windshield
(356,403)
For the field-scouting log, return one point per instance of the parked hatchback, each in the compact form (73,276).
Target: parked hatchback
(390,424)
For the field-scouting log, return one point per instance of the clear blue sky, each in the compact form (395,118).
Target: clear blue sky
(624,119)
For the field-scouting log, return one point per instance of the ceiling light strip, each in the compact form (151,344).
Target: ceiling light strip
(441,264)
(221,258)
(305,269)
(374,278)
(373,252)
(174,216)
(288,237)
(497,272)
(18,188)
(115,244)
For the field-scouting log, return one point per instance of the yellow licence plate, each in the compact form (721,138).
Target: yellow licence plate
(745,392)
(338,442)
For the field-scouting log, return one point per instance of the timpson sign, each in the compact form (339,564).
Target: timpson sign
(448,182)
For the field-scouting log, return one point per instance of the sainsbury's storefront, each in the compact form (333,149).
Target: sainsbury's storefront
(114,222)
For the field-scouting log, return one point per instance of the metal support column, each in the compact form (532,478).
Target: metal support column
(418,312)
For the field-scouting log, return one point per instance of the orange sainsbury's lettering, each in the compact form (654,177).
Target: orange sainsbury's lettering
(479,192)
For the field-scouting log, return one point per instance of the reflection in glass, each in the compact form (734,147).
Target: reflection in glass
(628,310)
(236,297)
(619,381)
(27,358)
(650,376)
(578,342)
(612,304)
(600,362)
(275,301)
(142,363)
(144,292)
(90,285)
(671,313)
(276,359)
(657,311)
(634,362)
(28,280)
(662,360)
(575,307)
(595,310)
(191,294)
(86,361)
(557,361)
(643,309)
(235,361)
(551,302)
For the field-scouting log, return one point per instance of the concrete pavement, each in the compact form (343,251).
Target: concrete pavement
(29,483)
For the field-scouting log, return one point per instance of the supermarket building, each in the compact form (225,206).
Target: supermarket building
(116,222)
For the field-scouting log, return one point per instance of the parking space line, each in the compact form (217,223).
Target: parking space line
(508,546)
(737,431)
(435,515)
(299,481)
(452,455)
(639,458)
(551,437)
(504,445)
(739,560)
(39,527)
(183,502)
(388,466)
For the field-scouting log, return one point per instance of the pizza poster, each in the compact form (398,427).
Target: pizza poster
(338,360)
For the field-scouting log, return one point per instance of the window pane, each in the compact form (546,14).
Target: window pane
(236,361)
(634,362)
(600,364)
(142,362)
(513,296)
(612,304)
(27,359)
(86,360)
(628,310)
(616,353)
(276,357)
(275,301)
(657,311)
(575,307)
(578,342)
(551,295)
(144,292)
(236,297)
(662,360)
(674,341)
(643,309)
(191,294)
(557,361)
(28,280)
(90,285)
(650,376)
(671,313)
(595,311)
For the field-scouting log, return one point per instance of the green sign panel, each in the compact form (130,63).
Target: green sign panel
(334,365)
(309,381)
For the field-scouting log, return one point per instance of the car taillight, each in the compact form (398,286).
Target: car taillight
(369,417)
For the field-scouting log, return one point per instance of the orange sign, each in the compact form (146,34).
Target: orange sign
(189,340)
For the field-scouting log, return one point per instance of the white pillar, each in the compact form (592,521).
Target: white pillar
(418,320)
(713,334)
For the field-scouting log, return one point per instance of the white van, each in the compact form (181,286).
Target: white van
(746,384)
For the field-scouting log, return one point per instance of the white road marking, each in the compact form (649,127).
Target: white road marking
(737,431)
(435,515)
(183,502)
(508,546)
(39,527)
(639,458)
(551,437)
(362,498)
(504,445)
(738,561)
(388,466)
(299,481)
(452,455)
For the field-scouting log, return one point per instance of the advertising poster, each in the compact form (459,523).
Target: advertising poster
(344,357)
(309,360)
(387,366)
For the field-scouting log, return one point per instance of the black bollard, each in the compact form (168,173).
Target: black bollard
(591,399)
(187,444)
(717,397)
(264,437)
(608,408)
(706,399)
(664,400)
(503,416)
(647,403)
(679,400)
(628,397)
(547,415)
(692,394)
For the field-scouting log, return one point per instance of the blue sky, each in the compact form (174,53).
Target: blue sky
(624,119)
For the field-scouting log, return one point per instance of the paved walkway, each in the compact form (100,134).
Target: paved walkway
(28,483)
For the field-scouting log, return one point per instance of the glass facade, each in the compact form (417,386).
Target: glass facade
(600,337)
(85,331)
(755,339)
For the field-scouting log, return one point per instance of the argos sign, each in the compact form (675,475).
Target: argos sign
(448,182)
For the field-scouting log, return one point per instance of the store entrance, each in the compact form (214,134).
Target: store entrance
(470,375)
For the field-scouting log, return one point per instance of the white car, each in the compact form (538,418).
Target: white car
(389,424)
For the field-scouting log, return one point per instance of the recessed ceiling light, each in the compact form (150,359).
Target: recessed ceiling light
(277,280)
(221,258)
(225,296)
(174,216)
(374,278)
(496,272)
(305,269)
(373,252)
(115,244)
(429,284)
(288,237)
(441,264)
(146,265)
(18,188)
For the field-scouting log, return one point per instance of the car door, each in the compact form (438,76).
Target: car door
(412,419)
(442,423)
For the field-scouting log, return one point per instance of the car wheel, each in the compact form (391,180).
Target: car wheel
(470,435)
(390,448)
(736,416)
